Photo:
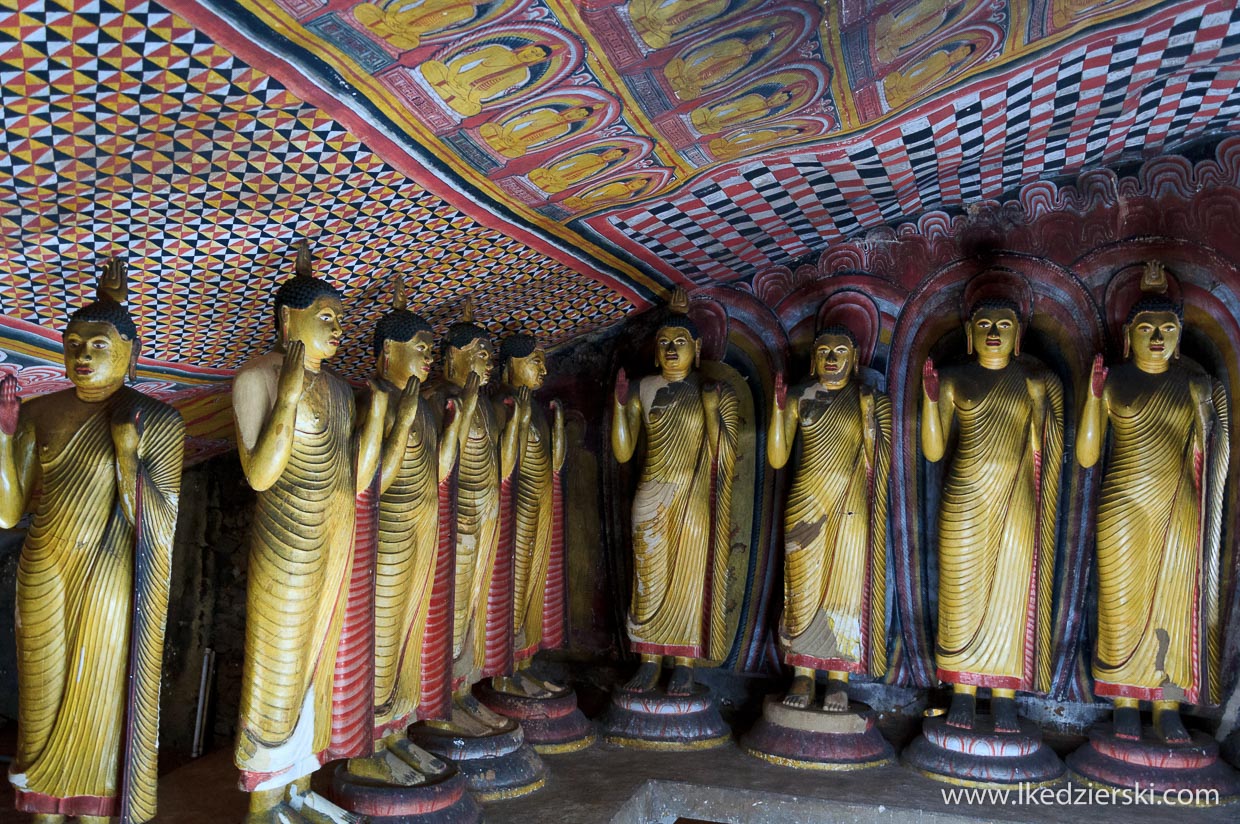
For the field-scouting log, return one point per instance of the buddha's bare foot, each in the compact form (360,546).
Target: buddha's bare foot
(386,768)
(315,809)
(507,684)
(1003,711)
(1170,727)
(645,680)
(801,693)
(483,714)
(416,757)
(962,711)
(549,689)
(681,682)
(836,698)
(1127,723)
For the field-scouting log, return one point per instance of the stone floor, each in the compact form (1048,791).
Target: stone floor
(608,784)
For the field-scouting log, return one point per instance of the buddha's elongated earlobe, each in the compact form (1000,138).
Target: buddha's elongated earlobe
(133,360)
(1127,341)
(1016,345)
(697,354)
(968,339)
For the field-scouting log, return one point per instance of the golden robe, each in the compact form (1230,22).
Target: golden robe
(996,532)
(301,544)
(470,80)
(76,592)
(835,533)
(533,529)
(1157,560)
(682,522)
(408,546)
(719,117)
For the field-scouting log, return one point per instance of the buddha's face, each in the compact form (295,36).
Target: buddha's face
(993,332)
(760,41)
(1154,336)
(612,155)
(834,359)
(409,359)
(635,185)
(317,326)
(576,113)
(96,356)
(528,371)
(675,350)
(532,54)
(778,99)
(477,357)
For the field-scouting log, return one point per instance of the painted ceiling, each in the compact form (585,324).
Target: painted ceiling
(564,162)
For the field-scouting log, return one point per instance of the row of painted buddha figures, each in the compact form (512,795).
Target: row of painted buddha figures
(402,554)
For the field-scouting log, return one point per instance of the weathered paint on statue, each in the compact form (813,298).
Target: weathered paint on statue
(835,522)
(996,521)
(93,577)
(533,454)
(1159,523)
(295,427)
(680,543)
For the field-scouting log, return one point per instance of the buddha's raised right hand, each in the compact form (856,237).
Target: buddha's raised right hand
(469,400)
(292,372)
(525,405)
(10,405)
(930,380)
(410,396)
(1097,377)
(622,387)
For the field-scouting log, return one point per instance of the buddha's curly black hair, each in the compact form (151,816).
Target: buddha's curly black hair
(837,329)
(994,303)
(520,345)
(465,332)
(1155,303)
(299,291)
(399,325)
(107,310)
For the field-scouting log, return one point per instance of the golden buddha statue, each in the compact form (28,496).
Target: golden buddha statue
(748,141)
(478,76)
(535,128)
(1159,523)
(411,663)
(896,31)
(682,506)
(569,171)
(538,447)
(403,23)
(737,111)
(295,437)
(835,523)
(482,622)
(997,515)
(93,576)
(712,64)
(659,22)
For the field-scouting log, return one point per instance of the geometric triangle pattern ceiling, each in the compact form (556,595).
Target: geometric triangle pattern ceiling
(126,130)
(703,140)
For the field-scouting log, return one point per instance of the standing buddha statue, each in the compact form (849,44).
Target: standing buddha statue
(996,521)
(835,523)
(1159,523)
(295,427)
(94,571)
(533,454)
(682,506)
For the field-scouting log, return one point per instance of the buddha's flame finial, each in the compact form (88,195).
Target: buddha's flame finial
(679,302)
(305,261)
(400,298)
(1154,278)
(113,279)
(467,312)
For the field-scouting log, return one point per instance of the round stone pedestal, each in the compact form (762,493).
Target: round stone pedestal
(551,725)
(1152,764)
(443,799)
(811,739)
(657,721)
(496,766)
(981,756)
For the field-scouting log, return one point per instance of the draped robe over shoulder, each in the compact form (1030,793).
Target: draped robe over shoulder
(996,535)
(682,522)
(81,567)
(835,534)
(408,548)
(301,544)
(1157,553)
